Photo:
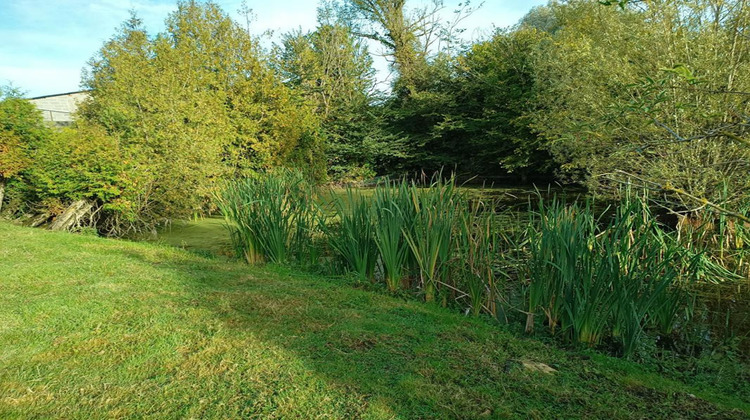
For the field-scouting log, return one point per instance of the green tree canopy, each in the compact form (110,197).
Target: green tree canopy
(21,131)
(649,89)
(332,68)
(191,106)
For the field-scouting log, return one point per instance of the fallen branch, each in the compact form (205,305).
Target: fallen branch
(71,217)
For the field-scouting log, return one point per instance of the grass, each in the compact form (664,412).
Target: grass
(96,328)
(206,235)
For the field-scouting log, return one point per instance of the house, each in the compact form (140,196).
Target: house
(58,109)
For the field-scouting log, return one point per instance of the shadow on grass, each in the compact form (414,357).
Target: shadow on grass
(393,359)
(100,328)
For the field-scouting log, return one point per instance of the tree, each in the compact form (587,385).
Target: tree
(84,166)
(652,90)
(21,130)
(485,123)
(418,42)
(333,69)
(13,160)
(387,22)
(189,107)
(410,36)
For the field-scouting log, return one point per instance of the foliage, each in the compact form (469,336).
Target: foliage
(394,214)
(13,158)
(270,217)
(21,118)
(21,131)
(475,112)
(647,92)
(423,238)
(352,234)
(436,210)
(84,163)
(192,105)
(652,90)
(596,276)
(397,28)
(610,276)
(474,262)
(722,238)
(333,69)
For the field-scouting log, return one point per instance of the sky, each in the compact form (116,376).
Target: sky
(46,43)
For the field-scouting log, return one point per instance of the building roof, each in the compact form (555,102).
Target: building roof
(60,94)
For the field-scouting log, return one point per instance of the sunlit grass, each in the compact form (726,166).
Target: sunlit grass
(97,328)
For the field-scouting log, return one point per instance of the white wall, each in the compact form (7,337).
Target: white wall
(59,109)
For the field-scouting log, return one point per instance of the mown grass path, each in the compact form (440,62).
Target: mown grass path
(96,328)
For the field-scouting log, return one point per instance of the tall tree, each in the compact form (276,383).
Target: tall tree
(656,90)
(190,106)
(410,35)
(387,22)
(485,124)
(416,40)
(333,68)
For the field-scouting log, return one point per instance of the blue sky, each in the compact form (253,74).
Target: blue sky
(46,43)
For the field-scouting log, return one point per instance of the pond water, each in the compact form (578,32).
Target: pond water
(725,309)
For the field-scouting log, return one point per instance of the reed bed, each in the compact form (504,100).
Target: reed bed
(352,234)
(587,276)
(394,215)
(271,217)
(606,277)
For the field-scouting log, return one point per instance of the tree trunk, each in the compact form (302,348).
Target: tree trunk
(2,192)
(72,216)
(40,220)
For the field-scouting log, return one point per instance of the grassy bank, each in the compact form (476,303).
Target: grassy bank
(98,328)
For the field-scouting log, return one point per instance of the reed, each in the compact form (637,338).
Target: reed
(614,274)
(723,239)
(394,215)
(644,266)
(270,217)
(592,275)
(435,214)
(351,233)
(476,256)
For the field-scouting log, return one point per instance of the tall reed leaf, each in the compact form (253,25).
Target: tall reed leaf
(270,217)
(615,274)
(394,215)
(429,239)
(352,235)
(475,257)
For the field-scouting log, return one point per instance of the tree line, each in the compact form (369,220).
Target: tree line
(599,93)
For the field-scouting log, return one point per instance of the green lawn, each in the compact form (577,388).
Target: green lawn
(206,235)
(98,328)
